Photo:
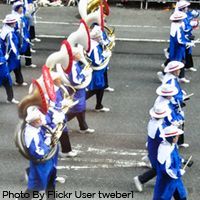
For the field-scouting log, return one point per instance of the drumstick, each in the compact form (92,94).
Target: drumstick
(187,162)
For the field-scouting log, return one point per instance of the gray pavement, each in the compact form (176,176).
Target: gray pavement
(109,159)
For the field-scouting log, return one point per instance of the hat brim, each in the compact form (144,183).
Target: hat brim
(166,94)
(166,70)
(185,5)
(9,22)
(159,116)
(179,132)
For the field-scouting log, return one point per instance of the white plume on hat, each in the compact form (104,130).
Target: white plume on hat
(178,15)
(9,19)
(33,113)
(166,90)
(173,66)
(96,32)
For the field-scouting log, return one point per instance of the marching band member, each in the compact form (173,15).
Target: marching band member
(76,77)
(157,123)
(41,175)
(165,94)
(9,44)
(57,111)
(98,56)
(169,182)
(30,10)
(106,42)
(178,43)
(172,71)
(188,25)
(23,32)
(6,80)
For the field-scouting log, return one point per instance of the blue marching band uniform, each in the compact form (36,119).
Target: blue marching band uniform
(166,114)
(165,134)
(14,42)
(98,55)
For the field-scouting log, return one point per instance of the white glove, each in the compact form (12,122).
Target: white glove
(107,54)
(176,123)
(6,56)
(195,13)
(189,44)
(18,57)
(87,72)
(58,117)
(27,40)
(193,23)
(182,172)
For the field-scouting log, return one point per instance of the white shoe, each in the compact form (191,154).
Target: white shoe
(138,184)
(192,69)
(33,51)
(104,109)
(60,179)
(89,130)
(70,154)
(32,66)
(23,84)
(163,65)
(36,40)
(109,89)
(14,101)
(185,145)
(160,76)
(184,80)
(166,53)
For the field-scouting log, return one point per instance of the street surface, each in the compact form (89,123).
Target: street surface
(109,159)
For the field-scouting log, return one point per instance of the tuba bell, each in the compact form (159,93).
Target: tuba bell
(63,56)
(36,97)
(81,36)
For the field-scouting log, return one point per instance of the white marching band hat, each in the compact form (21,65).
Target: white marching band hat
(171,131)
(166,90)
(10,19)
(173,66)
(33,113)
(17,5)
(159,111)
(177,15)
(182,4)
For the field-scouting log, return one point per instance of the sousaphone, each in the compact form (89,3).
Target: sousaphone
(35,98)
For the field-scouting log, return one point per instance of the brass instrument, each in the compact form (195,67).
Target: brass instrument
(36,97)
(111,35)
(20,142)
(92,6)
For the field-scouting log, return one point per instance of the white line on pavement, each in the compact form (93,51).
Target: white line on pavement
(115,164)
(109,151)
(112,25)
(92,162)
(117,39)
